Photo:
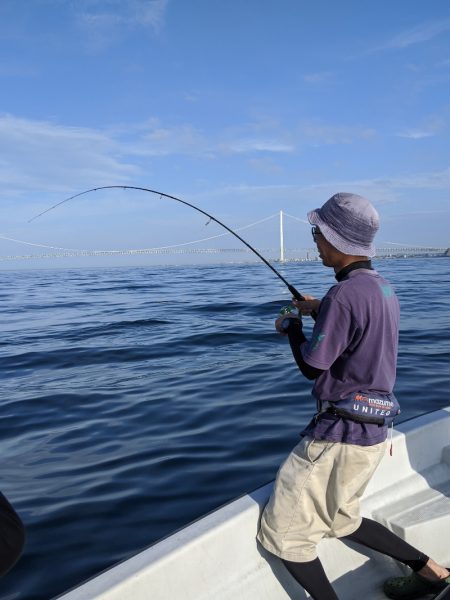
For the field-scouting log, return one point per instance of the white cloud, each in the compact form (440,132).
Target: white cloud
(416,134)
(422,33)
(105,21)
(262,135)
(433,125)
(153,138)
(437,180)
(318,78)
(43,156)
(113,13)
(320,134)
(393,189)
(246,145)
(40,155)
(381,189)
(182,139)
(37,155)
(265,165)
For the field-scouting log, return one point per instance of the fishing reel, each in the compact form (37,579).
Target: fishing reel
(287,310)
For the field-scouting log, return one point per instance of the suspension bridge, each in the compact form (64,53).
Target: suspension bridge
(279,254)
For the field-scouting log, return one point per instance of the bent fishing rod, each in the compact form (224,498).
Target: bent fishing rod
(296,294)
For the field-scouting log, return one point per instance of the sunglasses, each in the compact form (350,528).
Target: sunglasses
(315,231)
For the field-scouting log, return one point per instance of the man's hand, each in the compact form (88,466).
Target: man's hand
(307,306)
(283,318)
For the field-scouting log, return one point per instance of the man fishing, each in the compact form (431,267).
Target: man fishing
(351,357)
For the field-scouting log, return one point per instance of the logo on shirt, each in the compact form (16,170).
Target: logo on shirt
(387,291)
(316,341)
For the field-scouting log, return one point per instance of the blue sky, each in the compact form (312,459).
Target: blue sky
(243,107)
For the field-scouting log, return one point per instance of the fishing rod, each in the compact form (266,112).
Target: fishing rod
(290,287)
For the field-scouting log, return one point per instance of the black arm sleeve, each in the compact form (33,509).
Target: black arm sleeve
(297,337)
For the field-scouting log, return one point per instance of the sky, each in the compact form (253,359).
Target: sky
(241,107)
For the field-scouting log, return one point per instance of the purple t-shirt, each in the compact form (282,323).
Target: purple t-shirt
(355,342)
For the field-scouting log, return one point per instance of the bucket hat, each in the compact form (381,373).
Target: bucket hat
(349,222)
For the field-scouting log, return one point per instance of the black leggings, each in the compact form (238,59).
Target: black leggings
(379,538)
(12,536)
(312,577)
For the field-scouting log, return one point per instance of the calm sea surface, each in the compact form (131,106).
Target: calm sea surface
(135,400)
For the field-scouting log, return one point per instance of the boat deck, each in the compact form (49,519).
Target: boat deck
(218,558)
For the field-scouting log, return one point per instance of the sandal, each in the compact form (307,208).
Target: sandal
(412,586)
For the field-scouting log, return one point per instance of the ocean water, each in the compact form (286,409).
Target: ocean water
(135,400)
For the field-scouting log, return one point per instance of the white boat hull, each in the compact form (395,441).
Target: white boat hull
(218,558)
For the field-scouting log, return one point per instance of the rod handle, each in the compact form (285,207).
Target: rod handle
(298,296)
(295,293)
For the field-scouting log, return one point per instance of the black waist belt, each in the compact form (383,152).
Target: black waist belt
(332,410)
(365,407)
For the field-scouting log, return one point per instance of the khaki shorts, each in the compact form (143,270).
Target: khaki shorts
(316,494)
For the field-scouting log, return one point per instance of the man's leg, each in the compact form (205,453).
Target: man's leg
(318,479)
(311,576)
(379,538)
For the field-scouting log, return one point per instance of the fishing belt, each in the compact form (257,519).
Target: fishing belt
(364,407)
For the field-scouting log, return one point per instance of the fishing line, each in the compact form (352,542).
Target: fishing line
(290,287)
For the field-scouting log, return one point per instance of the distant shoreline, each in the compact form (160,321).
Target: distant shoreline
(24,265)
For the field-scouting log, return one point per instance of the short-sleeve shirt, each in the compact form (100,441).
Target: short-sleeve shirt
(355,343)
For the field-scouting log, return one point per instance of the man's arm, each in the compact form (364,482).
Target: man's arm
(292,326)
